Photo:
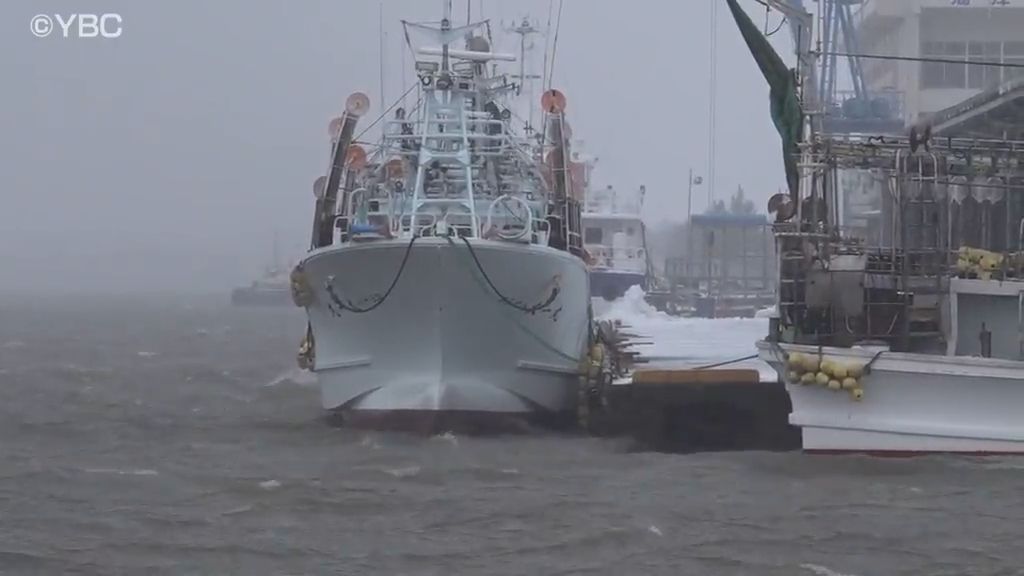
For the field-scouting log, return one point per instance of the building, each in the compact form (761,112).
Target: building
(729,266)
(964,31)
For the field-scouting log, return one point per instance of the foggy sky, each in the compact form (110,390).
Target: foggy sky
(166,159)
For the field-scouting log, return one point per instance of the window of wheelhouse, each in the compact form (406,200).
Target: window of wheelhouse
(593,235)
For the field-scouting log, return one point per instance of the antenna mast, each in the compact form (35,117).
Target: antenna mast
(525,29)
(446,26)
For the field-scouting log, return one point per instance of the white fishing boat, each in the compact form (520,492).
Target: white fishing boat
(908,403)
(446,287)
(900,326)
(614,239)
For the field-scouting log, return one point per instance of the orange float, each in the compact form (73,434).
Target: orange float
(394,169)
(553,101)
(355,157)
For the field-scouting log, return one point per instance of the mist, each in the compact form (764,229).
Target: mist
(167,159)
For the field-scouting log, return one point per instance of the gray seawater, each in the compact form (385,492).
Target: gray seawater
(172,436)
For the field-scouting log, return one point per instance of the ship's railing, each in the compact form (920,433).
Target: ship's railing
(487,135)
(387,218)
(865,150)
(426,223)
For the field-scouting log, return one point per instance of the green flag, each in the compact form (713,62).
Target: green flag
(785,105)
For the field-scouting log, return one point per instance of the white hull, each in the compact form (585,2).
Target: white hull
(913,403)
(444,341)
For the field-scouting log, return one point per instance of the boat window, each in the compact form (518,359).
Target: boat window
(592,235)
(629,231)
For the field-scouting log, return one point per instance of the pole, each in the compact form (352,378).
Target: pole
(380,48)
(689,227)
(689,199)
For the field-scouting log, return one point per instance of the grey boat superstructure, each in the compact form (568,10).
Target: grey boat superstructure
(445,285)
(615,240)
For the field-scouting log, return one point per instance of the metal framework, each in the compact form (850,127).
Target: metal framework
(939,204)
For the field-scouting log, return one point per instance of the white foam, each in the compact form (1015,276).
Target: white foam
(145,354)
(823,570)
(137,472)
(448,437)
(293,376)
(632,306)
(406,472)
(270,484)
(689,342)
(654,530)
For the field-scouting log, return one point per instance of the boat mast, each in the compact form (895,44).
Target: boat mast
(446,26)
(446,118)
(525,29)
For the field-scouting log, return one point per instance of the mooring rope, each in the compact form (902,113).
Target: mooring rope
(514,304)
(726,363)
(519,324)
(349,306)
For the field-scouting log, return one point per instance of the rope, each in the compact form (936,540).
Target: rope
(547,47)
(783,356)
(517,305)
(777,28)
(385,112)
(554,44)
(344,305)
(526,330)
(867,367)
(726,363)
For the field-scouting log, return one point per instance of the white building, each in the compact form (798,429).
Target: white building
(961,30)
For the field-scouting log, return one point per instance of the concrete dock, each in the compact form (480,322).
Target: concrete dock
(695,410)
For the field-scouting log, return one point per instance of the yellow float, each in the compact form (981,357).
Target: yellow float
(832,373)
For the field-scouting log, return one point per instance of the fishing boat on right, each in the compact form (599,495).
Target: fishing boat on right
(900,326)
(900,314)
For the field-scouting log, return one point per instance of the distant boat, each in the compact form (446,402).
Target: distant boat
(273,289)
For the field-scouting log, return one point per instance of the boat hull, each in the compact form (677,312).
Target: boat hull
(912,404)
(443,346)
(612,284)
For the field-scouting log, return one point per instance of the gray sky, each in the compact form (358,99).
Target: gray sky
(166,159)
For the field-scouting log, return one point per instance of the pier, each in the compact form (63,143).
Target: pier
(719,407)
(698,410)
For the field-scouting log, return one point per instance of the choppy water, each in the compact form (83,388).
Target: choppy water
(174,437)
